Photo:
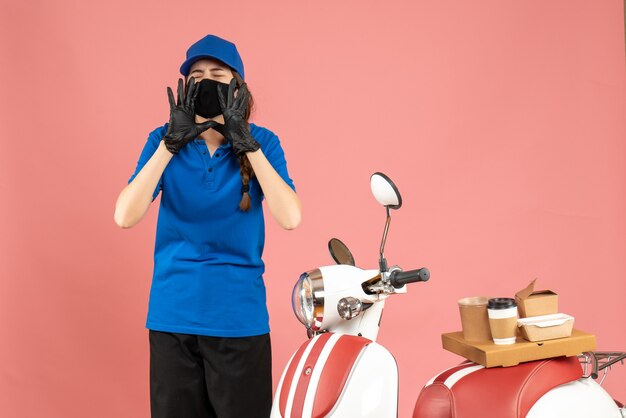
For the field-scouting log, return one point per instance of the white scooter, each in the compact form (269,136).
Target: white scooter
(341,371)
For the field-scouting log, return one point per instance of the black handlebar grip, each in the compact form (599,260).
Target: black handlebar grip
(400,278)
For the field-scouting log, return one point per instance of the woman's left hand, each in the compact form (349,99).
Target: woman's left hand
(235,127)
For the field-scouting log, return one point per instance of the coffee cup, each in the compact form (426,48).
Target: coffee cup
(503,320)
(474,318)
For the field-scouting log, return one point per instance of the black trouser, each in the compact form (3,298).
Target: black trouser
(195,376)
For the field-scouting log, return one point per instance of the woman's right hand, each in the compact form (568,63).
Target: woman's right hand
(182,127)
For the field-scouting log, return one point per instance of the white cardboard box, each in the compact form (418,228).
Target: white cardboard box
(546,327)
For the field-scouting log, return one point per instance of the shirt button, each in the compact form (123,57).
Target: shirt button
(217,155)
(204,152)
(210,169)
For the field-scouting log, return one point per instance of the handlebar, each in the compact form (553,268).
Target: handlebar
(400,278)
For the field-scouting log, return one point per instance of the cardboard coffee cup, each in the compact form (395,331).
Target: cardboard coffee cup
(503,320)
(474,318)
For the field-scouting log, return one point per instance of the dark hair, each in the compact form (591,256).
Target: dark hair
(245,168)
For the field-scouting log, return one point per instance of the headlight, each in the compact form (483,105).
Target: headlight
(302,300)
(307,299)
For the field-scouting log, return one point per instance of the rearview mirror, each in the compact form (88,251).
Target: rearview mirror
(385,192)
(340,252)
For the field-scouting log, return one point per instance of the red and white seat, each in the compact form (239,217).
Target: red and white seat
(470,390)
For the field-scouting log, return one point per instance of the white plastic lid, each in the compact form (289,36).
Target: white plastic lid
(544,321)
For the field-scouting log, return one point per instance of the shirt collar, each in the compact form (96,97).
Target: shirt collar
(225,145)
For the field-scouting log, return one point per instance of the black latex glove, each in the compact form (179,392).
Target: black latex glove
(182,127)
(235,128)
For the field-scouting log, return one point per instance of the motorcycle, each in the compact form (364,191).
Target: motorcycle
(342,371)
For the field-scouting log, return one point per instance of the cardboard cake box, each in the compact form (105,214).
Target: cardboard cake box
(532,302)
(489,354)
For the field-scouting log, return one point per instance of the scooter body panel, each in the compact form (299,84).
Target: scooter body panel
(338,375)
(372,390)
(341,281)
(583,398)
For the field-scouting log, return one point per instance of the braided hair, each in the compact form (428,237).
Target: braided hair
(245,168)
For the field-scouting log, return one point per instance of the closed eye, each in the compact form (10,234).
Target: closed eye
(218,72)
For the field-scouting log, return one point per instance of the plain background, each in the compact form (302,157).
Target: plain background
(501,122)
